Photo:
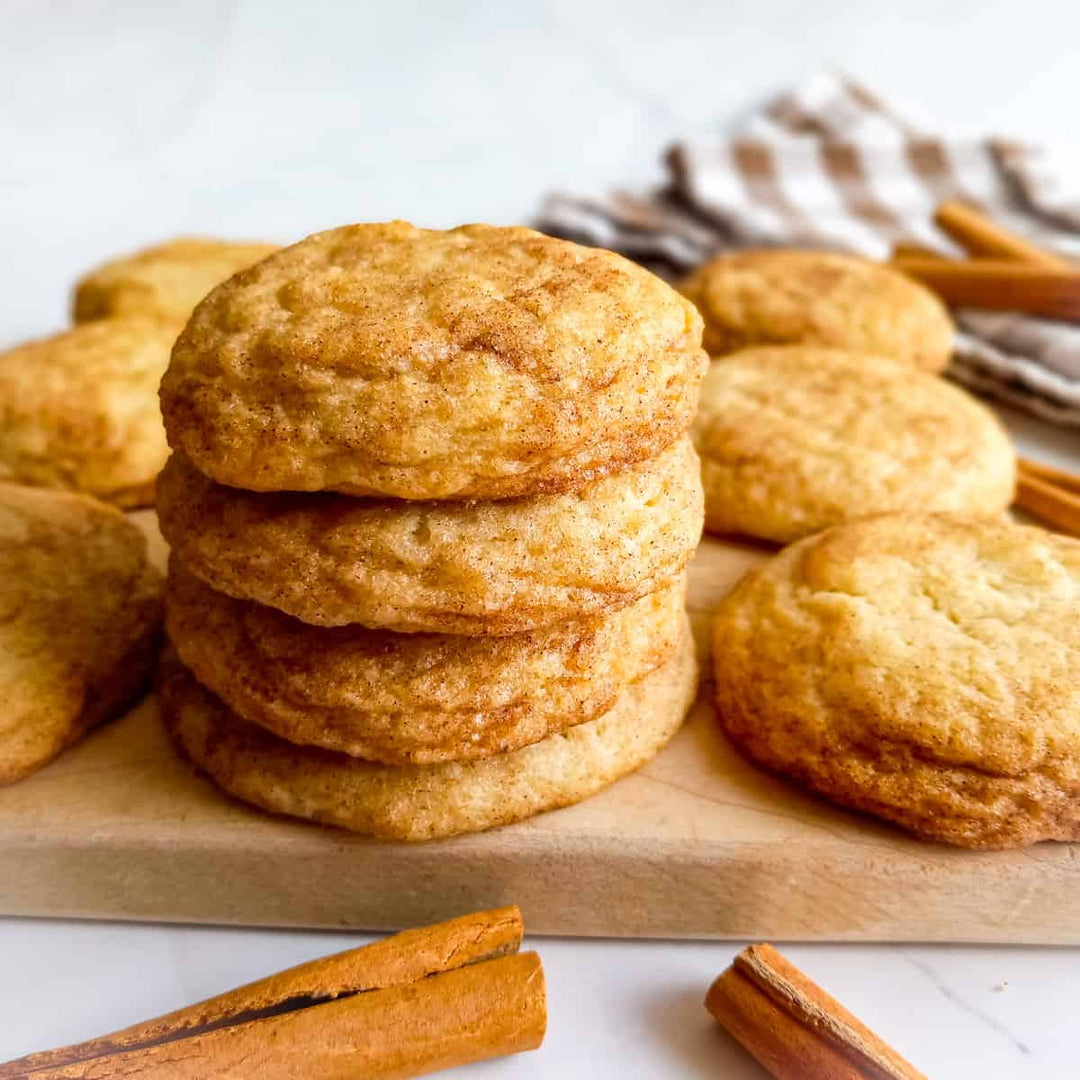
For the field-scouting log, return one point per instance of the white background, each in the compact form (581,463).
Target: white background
(124,123)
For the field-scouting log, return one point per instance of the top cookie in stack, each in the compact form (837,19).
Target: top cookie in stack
(479,363)
(385,430)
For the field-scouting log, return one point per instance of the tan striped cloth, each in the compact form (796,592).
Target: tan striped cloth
(828,165)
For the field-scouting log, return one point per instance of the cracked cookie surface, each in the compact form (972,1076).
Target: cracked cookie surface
(414,697)
(464,568)
(79,410)
(165,281)
(783,297)
(476,363)
(79,616)
(794,439)
(923,668)
(424,802)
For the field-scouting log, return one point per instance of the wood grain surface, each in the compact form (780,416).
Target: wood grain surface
(700,843)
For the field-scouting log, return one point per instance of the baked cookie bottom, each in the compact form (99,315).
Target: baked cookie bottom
(425,802)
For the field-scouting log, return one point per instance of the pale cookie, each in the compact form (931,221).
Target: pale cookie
(463,568)
(423,802)
(780,297)
(79,615)
(164,282)
(479,363)
(924,668)
(796,438)
(80,410)
(414,697)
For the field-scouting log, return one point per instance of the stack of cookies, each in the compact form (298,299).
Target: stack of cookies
(430,504)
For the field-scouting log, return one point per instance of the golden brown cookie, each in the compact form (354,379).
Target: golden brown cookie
(79,615)
(795,438)
(424,802)
(80,410)
(780,297)
(477,568)
(165,281)
(924,668)
(479,363)
(414,697)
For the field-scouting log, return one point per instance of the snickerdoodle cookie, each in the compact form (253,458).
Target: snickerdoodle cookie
(166,281)
(463,568)
(478,363)
(796,438)
(921,667)
(422,802)
(779,297)
(414,697)
(80,410)
(79,613)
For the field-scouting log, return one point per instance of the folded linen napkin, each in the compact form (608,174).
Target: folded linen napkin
(829,165)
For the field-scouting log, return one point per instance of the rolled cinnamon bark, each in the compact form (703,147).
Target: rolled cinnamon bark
(793,1028)
(467,1014)
(394,961)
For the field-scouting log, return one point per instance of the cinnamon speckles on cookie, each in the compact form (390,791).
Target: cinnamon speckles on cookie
(466,568)
(162,282)
(784,297)
(480,362)
(921,667)
(80,610)
(796,438)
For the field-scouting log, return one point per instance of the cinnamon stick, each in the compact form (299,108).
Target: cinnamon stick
(793,1028)
(904,249)
(405,967)
(1056,505)
(978,235)
(999,285)
(1058,477)
(459,1016)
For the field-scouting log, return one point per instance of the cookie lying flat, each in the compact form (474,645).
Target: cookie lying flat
(387,360)
(924,668)
(423,802)
(79,614)
(414,697)
(778,297)
(479,568)
(164,282)
(80,410)
(795,438)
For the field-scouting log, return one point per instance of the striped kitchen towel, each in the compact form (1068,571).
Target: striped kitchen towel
(830,166)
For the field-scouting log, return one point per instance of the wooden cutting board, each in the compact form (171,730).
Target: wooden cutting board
(698,844)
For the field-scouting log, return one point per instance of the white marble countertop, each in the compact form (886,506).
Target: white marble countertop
(126,122)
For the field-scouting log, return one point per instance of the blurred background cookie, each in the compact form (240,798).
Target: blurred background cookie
(796,438)
(423,802)
(921,667)
(448,567)
(80,411)
(164,282)
(79,618)
(785,297)
(414,697)
(475,363)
